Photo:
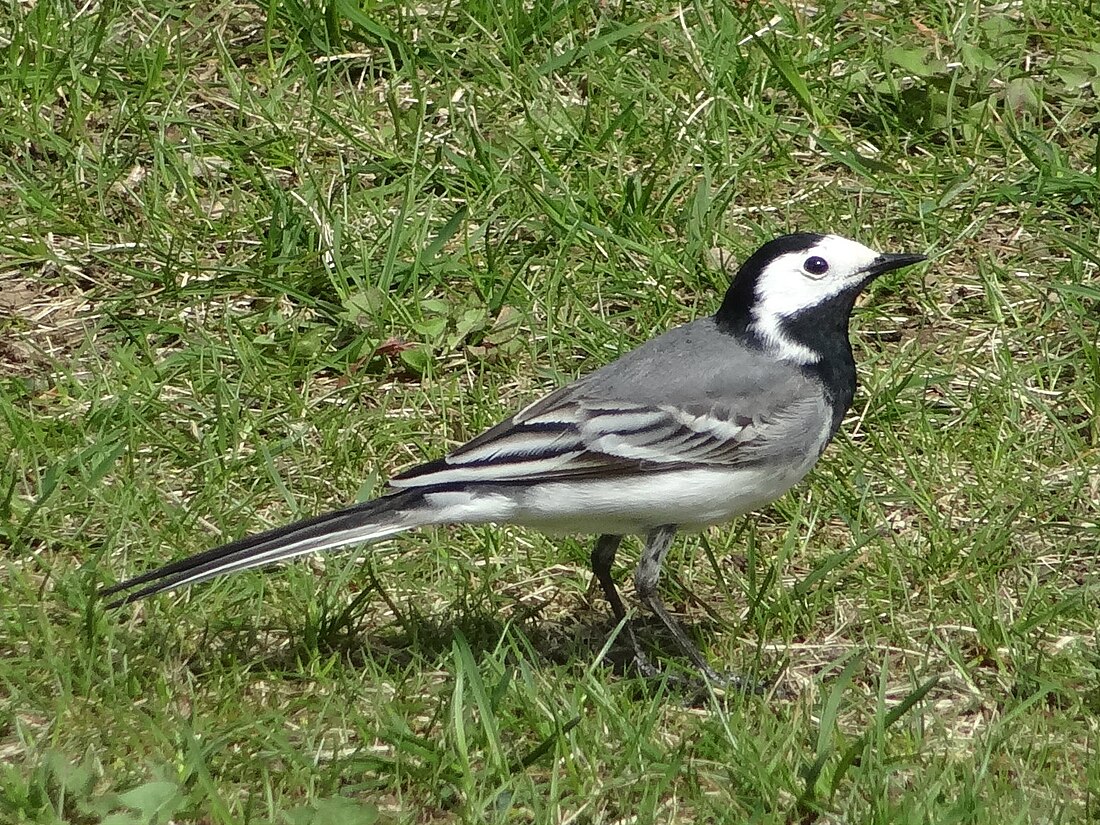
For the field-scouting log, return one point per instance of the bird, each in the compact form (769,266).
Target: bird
(702,424)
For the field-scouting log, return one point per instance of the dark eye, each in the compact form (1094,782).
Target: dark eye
(816,265)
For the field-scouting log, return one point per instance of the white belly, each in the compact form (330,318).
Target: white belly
(627,505)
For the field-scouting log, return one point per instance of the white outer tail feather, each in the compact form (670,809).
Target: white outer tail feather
(360,524)
(368,534)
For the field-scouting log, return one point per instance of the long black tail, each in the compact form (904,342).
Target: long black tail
(366,522)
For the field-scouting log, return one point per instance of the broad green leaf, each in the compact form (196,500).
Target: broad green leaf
(153,799)
(417,359)
(913,61)
(336,810)
(1022,95)
(977,59)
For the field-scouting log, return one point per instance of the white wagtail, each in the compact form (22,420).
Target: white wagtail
(711,420)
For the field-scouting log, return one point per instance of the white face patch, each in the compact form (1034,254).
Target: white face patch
(799,280)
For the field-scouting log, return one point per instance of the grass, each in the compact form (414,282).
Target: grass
(257,258)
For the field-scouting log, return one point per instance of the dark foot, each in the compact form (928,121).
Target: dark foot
(645,667)
(697,690)
(733,681)
(699,685)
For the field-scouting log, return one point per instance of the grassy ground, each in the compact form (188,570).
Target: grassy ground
(256,258)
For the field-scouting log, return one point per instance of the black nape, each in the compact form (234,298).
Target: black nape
(735,314)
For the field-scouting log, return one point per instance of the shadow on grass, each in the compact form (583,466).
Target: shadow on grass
(232,638)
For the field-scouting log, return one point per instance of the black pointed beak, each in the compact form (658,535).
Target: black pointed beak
(888,262)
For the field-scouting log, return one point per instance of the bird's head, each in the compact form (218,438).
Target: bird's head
(807,280)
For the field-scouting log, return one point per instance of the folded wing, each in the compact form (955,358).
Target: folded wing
(567,435)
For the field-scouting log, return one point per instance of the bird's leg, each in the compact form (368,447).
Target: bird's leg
(645,583)
(603,556)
